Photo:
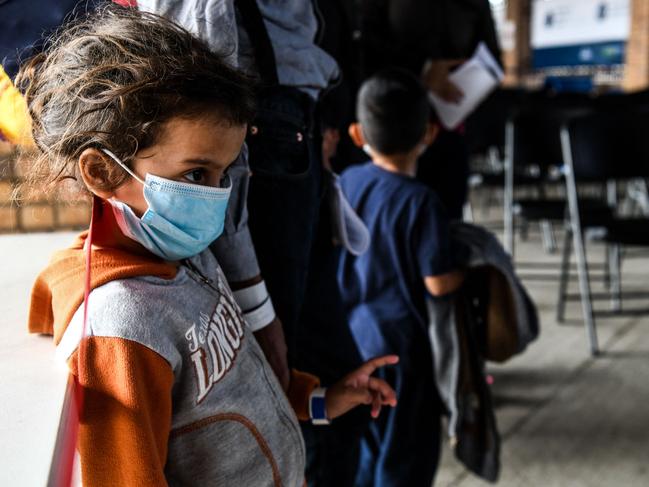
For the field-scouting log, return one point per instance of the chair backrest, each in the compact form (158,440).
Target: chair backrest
(608,145)
(485,128)
(537,127)
(616,102)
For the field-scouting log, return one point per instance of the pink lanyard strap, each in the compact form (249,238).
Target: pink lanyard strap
(62,467)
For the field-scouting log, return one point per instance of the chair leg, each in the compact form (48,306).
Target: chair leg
(467,212)
(644,198)
(508,190)
(607,268)
(525,230)
(584,290)
(565,275)
(578,240)
(549,240)
(487,201)
(616,277)
(509,223)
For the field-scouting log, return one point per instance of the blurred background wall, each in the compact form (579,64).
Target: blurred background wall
(588,46)
(34,213)
(575,45)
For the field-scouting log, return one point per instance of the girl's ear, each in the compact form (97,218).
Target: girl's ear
(356,134)
(95,170)
(432,131)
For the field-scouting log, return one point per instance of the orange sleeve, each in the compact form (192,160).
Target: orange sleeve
(126,415)
(299,390)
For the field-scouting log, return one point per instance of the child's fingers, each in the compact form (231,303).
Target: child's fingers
(382,388)
(371,365)
(376,405)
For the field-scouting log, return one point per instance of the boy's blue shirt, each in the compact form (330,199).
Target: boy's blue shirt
(383,289)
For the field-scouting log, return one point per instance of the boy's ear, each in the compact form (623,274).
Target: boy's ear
(356,134)
(94,168)
(432,131)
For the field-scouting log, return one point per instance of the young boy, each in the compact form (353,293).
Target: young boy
(385,289)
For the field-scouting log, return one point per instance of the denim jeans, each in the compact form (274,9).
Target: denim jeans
(283,200)
(289,223)
(402,446)
(327,349)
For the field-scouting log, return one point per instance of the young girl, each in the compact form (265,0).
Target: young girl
(175,388)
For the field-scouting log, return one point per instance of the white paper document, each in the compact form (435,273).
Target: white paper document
(476,78)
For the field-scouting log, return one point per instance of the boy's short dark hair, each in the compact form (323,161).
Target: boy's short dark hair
(393,111)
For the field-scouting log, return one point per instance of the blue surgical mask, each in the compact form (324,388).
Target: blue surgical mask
(182,219)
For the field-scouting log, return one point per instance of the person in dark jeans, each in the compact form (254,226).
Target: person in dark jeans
(429,38)
(290,225)
(341,38)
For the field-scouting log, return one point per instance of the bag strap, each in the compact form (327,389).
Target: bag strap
(253,22)
(62,467)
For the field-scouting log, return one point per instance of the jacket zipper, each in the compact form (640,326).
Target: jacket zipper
(201,277)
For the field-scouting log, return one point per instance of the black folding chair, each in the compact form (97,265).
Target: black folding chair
(532,159)
(605,146)
(485,136)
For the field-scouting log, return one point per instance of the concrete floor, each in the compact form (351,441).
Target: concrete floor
(566,419)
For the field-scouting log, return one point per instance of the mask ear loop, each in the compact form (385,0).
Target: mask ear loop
(62,468)
(226,179)
(122,165)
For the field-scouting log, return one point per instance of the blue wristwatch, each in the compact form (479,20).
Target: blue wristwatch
(317,408)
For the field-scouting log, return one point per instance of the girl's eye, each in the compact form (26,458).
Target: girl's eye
(196,176)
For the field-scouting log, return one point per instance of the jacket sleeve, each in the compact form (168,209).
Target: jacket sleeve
(299,390)
(213,21)
(126,412)
(234,249)
(488,33)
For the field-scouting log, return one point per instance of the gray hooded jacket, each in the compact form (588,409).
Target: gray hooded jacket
(491,317)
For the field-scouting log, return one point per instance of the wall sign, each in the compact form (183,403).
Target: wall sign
(579,32)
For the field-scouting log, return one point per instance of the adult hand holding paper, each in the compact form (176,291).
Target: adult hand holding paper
(436,75)
(475,79)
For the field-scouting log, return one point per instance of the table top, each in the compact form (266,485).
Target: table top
(32,382)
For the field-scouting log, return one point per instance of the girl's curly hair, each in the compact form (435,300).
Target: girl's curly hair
(111,80)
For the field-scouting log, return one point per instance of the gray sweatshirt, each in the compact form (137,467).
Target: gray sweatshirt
(221,415)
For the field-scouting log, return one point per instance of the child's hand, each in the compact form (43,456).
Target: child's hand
(358,387)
